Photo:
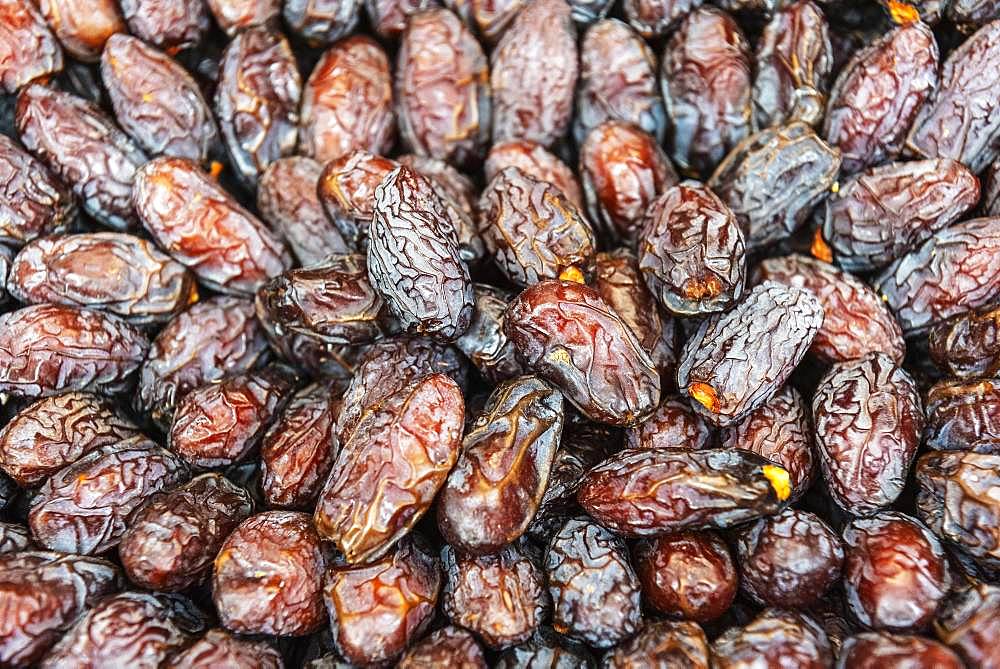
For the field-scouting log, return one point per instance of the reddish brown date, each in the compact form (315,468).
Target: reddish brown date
(706,119)
(82,145)
(219,648)
(963,415)
(257,101)
(485,343)
(448,647)
(389,18)
(56,431)
(967,346)
(535,161)
(115,272)
(567,334)
(268,576)
(235,15)
(648,493)
(85,507)
(46,349)
(346,190)
(33,202)
(442,89)
(321,22)
(673,425)
(872,650)
(28,49)
(687,575)
(167,24)
(774,638)
(377,610)
(172,539)
(529,102)
(969,622)
(390,469)
(347,102)
(495,488)
(489,18)
(665,643)
(201,226)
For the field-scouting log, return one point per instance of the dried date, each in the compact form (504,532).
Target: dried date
(967,346)
(535,161)
(963,415)
(321,22)
(449,646)
(28,49)
(346,190)
(485,342)
(969,622)
(83,26)
(33,202)
(167,24)
(775,637)
(235,15)
(219,648)
(673,425)
(546,649)
(14,538)
(665,643)
(871,650)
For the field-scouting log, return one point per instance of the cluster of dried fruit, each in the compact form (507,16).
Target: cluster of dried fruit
(532,333)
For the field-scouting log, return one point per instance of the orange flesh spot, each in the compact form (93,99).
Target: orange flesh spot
(779,479)
(705,395)
(820,249)
(698,290)
(571,274)
(903,14)
(215,169)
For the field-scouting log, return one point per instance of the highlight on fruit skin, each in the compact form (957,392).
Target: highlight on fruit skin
(705,395)
(780,480)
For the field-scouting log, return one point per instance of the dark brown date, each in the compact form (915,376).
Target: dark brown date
(56,431)
(963,415)
(33,203)
(485,342)
(112,271)
(347,102)
(648,493)
(773,179)
(172,539)
(235,15)
(201,345)
(706,120)
(536,162)
(969,622)
(623,171)
(617,82)
(856,322)
(268,576)
(346,190)
(662,644)
(377,610)
(28,49)
(219,648)
(774,638)
(167,24)
(495,488)
(321,22)
(874,650)
(83,26)
(442,89)
(257,101)
(687,575)
(878,94)
(967,346)
(532,230)
(84,147)
(568,335)
(500,597)
(156,101)
(390,469)
(691,251)
(47,348)
(449,646)
(895,572)
(882,213)
(86,506)
(673,425)
(772,327)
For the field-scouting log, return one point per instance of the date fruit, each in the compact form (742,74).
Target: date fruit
(33,202)
(963,415)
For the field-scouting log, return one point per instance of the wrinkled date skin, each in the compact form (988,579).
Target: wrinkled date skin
(692,252)
(706,78)
(28,50)
(257,100)
(200,345)
(346,190)
(414,261)
(595,592)
(447,647)
(268,576)
(794,59)
(442,89)
(647,493)
(56,431)
(535,161)
(856,321)
(111,271)
(166,24)
(781,431)
(288,201)
(46,349)
(201,226)
(773,179)
(568,335)
(532,230)
(171,541)
(872,650)
(156,101)
(530,102)
(389,18)
(85,507)
(331,301)
(82,145)
(664,643)
(83,26)
(963,415)
(974,12)
(219,424)
(500,597)
(957,499)
(673,425)
(33,202)
(882,213)
(490,18)
(773,327)
(895,572)
(623,170)
(389,471)
(617,82)
(688,575)
(962,121)
(774,638)
(788,560)
(494,490)
(485,343)
(321,22)
(377,610)
(219,648)
(967,346)
(956,270)
(655,18)
(868,423)
(878,94)
(235,15)
(347,102)
(48,592)
(970,622)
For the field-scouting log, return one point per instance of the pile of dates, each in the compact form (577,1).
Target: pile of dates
(506,333)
